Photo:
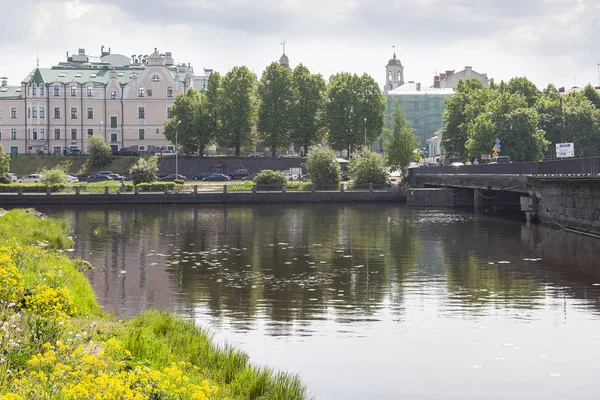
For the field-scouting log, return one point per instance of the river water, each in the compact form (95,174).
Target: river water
(364,301)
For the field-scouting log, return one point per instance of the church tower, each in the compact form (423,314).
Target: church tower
(394,74)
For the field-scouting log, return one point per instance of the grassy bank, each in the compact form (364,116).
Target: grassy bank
(57,343)
(23,165)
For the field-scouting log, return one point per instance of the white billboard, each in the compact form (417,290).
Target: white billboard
(564,150)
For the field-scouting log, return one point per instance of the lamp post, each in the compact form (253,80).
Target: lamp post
(365,132)
(176,149)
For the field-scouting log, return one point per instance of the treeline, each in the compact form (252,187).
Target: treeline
(283,108)
(527,121)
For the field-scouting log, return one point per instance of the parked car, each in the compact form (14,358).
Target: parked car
(167,153)
(289,176)
(126,151)
(116,177)
(500,160)
(305,178)
(13,177)
(240,173)
(31,178)
(104,173)
(216,178)
(457,164)
(250,177)
(98,178)
(255,155)
(173,177)
(72,178)
(201,176)
(75,152)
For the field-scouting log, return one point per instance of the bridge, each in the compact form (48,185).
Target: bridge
(565,193)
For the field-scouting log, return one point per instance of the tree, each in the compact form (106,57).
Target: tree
(468,101)
(592,95)
(323,168)
(581,124)
(270,177)
(144,170)
(549,111)
(53,176)
(276,101)
(309,100)
(367,167)
(400,143)
(192,126)
(524,87)
(238,109)
(4,161)
(354,109)
(99,152)
(213,101)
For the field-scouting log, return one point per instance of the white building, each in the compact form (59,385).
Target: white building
(449,79)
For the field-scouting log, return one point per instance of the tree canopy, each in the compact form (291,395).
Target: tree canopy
(309,92)
(400,142)
(4,161)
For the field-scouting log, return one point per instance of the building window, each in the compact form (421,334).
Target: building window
(73,90)
(169,91)
(41,90)
(157,131)
(90,113)
(14,134)
(13,112)
(141,91)
(42,134)
(113,94)
(33,93)
(141,148)
(114,138)
(57,134)
(113,122)
(73,113)
(169,113)
(141,134)
(149,92)
(89,91)
(56,112)
(155,78)
(33,135)
(141,112)
(90,132)
(42,112)
(74,134)
(28,112)
(34,111)
(57,90)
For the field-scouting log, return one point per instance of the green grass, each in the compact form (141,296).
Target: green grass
(29,229)
(23,165)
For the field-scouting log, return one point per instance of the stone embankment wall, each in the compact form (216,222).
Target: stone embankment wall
(192,165)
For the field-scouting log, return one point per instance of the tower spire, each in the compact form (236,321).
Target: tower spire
(38,55)
(283,42)
(394,47)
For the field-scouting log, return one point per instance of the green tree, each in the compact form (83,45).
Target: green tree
(99,152)
(549,109)
(323,168)
(309,100)
(400,143)
(4,161)
(53,176)
(354,109)
(592,95)
(524,87)
(213,101)
(144,170)
(276,101)
(238,109)
(367,167)
(192,126)
(469,100)
(581,124)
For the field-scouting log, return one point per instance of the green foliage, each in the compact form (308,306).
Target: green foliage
(581,124)
(276,101)
(5,179)
(400,143)
(237,109)
(31,188)
(99,152)
(269,177)
(54,176)
(351,99)
(192,126)
(323,167)
(4,161)
(309,102)
(525,88)
(144,170)
(592,95)
(367,167)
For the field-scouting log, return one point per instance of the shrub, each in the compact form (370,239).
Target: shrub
(54,176)
(5,179)
(367,167)
(155,186)
(144,170)
(269,177)
(99,152)
(4,161)
(323,168)
(31,188)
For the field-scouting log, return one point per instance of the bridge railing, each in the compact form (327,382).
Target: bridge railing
(568,166)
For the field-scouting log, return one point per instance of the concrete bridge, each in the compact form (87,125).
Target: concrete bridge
(563,193)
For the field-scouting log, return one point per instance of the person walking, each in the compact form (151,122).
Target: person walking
(122,186)
(475,162)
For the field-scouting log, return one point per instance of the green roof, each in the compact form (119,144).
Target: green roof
(10,92)
(81,75)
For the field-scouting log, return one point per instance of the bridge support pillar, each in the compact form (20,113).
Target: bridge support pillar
(479,202)
(530,205)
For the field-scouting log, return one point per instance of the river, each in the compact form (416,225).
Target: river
(364,301)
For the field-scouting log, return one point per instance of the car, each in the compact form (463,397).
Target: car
(31,178)
(201,175)
(304,178)
(72,178)
(104,173)
(457,164)
(166,153)
(116,177)
(240,173)
(255,155)
(173,177)
(250,177)
(13,177)
(75,152)
(413,165)
(126,151)
(98,178)
(216,178)
(501,160)
(289,176)
(127,176)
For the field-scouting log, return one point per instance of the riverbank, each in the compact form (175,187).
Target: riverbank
(56,341)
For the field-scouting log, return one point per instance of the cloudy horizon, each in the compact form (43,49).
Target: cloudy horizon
(547,41)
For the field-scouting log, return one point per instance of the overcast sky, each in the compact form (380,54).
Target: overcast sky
(548,41)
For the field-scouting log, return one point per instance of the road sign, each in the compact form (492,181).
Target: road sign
(565,150)
(485,157)
(497,140)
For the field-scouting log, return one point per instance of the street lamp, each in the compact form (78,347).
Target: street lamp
(365,132)
(176,149)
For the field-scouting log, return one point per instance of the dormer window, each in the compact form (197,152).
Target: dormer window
(41,90)
(34,90)
(155,78)
(141,91)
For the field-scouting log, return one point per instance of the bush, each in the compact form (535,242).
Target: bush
(54,176)
(99,152)
(367,167)
(323,168)
(31,188)
(4,161)
(155,186)
(5,179)
(269,177)
(144,170)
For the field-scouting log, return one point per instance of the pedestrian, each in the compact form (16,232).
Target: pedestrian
(475,162)
(122,186)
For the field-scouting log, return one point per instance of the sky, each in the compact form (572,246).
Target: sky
(547,41)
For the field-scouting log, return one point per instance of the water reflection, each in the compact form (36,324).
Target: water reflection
(389,276)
